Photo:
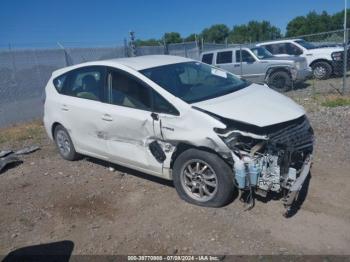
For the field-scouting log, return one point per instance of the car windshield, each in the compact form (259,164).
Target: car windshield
(194,81)
(305,44)
(261,53)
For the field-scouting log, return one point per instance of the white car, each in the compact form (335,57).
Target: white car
(183,120)
(324,61)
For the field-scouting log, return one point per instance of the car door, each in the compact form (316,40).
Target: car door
(132,125)
(81,109)
(224,60)
(252,68)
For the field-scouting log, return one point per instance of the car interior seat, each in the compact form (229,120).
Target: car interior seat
(90,88)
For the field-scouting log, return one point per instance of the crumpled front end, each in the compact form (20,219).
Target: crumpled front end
(271,159)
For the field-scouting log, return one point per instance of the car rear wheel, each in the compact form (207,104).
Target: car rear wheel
(321,70)
(64,144)
(280,81)
(203,178)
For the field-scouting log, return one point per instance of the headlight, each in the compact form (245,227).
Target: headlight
(337,56)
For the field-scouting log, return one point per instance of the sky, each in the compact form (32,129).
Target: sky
(109,21)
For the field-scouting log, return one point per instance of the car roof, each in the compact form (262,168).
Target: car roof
(137,63)
(227,49)
(149,61)
(279,41)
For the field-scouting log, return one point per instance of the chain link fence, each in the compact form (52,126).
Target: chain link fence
(24,72)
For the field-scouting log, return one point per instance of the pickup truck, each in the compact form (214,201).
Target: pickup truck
(258,65)
(324,61)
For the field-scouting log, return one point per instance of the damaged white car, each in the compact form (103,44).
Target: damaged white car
(204,128)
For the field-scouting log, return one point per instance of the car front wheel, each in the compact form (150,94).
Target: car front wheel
(280,81)
(321,70)
(203,178)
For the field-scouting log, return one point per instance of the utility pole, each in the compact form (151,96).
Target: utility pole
(132,43)
(345,56)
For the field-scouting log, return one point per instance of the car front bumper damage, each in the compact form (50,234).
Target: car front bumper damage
(276,163)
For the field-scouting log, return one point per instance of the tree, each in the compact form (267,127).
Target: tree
(310,24)
(338,20)
(148,42)
(216,33)
(172,37)
(190,38)
(254,31)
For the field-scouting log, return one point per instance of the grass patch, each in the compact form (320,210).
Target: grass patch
(336,101)
(33,130)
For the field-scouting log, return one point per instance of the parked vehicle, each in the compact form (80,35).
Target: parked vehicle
(204,128)
(258,65)
(324,61)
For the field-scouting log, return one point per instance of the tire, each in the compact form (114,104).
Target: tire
(64,144)
(216,179)
(321,70)
(280,81)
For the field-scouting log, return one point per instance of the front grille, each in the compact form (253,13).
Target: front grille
(297,136)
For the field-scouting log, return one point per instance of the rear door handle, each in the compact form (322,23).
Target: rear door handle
(107,117)
(64,108)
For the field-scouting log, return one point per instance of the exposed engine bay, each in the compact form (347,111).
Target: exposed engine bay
(270,159)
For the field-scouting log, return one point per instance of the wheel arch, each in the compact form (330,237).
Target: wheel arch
(274,69)
(182,147)
(322,60)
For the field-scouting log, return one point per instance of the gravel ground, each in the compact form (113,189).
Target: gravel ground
(105,211)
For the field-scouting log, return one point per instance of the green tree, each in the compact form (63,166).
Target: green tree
(172,37)
(310,24)
(190,38)
(254,31)
(216,33)
(338,20)
(148,42)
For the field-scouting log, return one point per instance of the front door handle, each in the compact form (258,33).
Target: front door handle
(107,117)
(64,108)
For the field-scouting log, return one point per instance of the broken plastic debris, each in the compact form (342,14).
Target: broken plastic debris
(4,153)
(10,159)
(27,150)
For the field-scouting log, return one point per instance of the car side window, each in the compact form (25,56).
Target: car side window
(293,49)
(224,57)
(87,83)
(246,56)
(160,105)
(129,92)
(272,48)
(59,82)
(208,58)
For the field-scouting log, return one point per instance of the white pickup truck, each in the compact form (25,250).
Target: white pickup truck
(324,61)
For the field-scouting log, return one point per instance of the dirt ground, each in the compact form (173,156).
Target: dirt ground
(46,199)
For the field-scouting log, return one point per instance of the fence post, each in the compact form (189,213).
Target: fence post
(14,71)
(67,59)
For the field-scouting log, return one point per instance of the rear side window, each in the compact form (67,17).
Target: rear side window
(58,82)
(224,57)
(87,83)
(273,48)
(208,58)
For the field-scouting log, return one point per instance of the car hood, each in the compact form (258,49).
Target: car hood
(256,105)
(325,50)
